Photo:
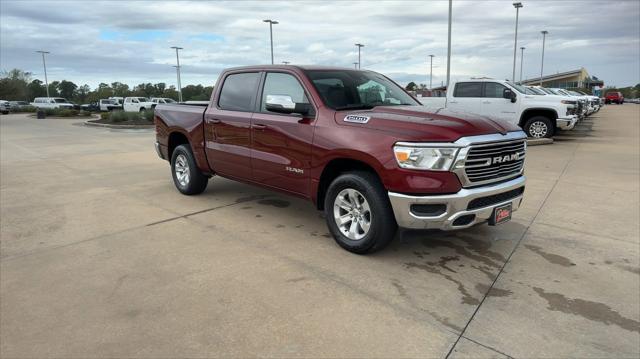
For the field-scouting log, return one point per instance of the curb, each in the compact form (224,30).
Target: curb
(539,141)
(108,125)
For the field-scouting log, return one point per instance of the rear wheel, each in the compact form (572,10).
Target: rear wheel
(539,127)
(187,177)
(142,109)
(358,213)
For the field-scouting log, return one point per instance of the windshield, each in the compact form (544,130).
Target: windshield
(168,100)
(143,99)
(60,100)
(518,88)
(534,91)
(546,90)
(349,89)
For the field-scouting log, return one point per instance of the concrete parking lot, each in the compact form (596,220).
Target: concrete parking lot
(102,257)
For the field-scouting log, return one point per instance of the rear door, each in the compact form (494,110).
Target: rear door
(467,97)
(495,106)
(281,143)
(227,124)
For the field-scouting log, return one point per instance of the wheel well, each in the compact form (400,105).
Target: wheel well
(335,168)
(550,114)
(176,139)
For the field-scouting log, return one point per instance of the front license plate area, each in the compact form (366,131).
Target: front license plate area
(500,215)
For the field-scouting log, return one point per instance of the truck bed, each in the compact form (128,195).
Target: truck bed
(179,115)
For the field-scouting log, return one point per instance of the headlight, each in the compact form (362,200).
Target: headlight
(425,158)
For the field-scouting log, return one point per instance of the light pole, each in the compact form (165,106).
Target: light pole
(178,72)
(271,23)
(355,65)
(544,37)
(359,47)
(449,46)
(44,64)
(517,5)
(431,73)
(521,62)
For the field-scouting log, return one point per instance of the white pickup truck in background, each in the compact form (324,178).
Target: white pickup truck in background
(538,116)
(137,104)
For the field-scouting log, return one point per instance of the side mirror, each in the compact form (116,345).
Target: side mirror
(285,104)
(510,95)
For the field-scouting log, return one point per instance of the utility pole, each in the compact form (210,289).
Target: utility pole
(449,46)
(359,47)
(521,62)
(431,73)
(517,5)
(544,37)
(271,23)
(178,72)
(44,64)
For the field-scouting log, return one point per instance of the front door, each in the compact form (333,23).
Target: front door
(281,143)
(495,106)
(228,128)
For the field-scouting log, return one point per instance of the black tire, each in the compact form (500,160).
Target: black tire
(196,182)
(539,127)
(382,226)
(142,109)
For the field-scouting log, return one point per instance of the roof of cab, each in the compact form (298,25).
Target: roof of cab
(283,67)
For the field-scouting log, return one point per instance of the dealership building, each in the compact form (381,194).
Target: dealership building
(571,79)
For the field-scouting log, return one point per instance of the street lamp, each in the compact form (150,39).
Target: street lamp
(271,23)
(355,65)
(449,45)
(359,47)
(44,64)
(544,37)
(517,5)
(521,62)
(178,72)
(431,73)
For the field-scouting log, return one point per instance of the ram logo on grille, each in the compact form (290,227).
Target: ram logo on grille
(505,159)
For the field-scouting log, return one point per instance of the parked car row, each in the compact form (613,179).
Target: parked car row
(539,111)
(130,104)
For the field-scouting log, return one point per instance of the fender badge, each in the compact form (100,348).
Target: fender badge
(356,119)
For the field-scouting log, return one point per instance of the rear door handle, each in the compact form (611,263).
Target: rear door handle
(258,126)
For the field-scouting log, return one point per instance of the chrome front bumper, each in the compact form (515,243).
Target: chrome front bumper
(567,123)
(456,206)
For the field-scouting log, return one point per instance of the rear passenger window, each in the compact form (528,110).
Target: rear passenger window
(493,90)
(468,89)
(238,92)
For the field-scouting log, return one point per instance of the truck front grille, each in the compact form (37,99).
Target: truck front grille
(493,162)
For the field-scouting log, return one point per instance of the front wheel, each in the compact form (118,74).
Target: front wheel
(358,213)
(187,177)
(538,127)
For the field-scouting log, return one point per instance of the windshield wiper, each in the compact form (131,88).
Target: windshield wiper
(354,106)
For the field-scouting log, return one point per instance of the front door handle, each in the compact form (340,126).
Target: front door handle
(259,127)
(214,121)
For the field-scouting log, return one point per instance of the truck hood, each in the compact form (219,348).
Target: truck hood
(419,123)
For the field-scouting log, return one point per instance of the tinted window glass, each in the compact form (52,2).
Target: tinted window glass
(468,89)
(238,91)
(493,90)
(282,84)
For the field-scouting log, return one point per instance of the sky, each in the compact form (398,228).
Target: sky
(130,41)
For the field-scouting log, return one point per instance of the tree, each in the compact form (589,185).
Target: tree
(411,86)
(82,93)
(67,89)
(120,89)
(35,89)
(13,85)
(53,89)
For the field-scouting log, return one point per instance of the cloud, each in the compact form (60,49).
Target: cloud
(93,42)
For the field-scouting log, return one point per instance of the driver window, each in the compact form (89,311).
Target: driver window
(282,84)
(493,90)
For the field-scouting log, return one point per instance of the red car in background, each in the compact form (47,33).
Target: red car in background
(614,97)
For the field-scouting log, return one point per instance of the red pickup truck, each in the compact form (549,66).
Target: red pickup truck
(614,97)
(353,142)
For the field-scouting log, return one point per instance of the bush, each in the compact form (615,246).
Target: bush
(24,109)
(118,116)
(148,115)
(85,113)
(105,115)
